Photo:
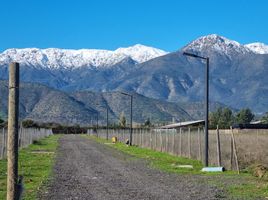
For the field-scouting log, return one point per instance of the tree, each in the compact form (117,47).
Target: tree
(28,123)
(227,118)
(244,116)
(1,121)
(264,119)
(122,120)
(223,117)
(147,122)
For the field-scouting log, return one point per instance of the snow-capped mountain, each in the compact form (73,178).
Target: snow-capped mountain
(141,53)
(218,44)
(238,73)
(238,76)
(257,47)
(57,58)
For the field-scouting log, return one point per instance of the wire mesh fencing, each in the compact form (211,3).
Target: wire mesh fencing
(232,149)
(26,137)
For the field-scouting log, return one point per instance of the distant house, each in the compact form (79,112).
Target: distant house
(183,124)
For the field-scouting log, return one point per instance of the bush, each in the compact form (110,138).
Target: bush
(29,124)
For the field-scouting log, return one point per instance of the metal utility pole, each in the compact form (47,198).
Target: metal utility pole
(12,140)
(206,102)
(207,110)
(131,107)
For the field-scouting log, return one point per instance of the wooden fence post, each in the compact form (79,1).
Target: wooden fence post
(151,139)
(189,142)
(124,135)
(161,141)
(180,142)
(235,151)
(155,141)
(231,153)
(12,139)
(3,153)
(166,145)
(173,142)
(218,146)
(199,145)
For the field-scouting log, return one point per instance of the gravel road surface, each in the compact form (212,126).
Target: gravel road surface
(85,170)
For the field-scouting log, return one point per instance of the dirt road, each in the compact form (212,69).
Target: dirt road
(85,170)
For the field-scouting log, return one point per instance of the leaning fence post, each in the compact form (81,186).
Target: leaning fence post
(235,151)
(218,146)
(12,139)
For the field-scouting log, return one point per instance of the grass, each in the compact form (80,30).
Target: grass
(35,165)
(242,186)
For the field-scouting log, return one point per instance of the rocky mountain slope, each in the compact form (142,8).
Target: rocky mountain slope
(45,104)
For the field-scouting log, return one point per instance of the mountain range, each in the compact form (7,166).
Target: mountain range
(237,72)
(45,104)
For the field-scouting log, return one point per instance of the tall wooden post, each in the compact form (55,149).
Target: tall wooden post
(218,147)
(12,140)
(189,142)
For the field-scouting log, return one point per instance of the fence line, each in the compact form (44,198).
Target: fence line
(26,137)
(251,145)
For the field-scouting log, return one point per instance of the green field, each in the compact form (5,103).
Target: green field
(242,186)
(35,165)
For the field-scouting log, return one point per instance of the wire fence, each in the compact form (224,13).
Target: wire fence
(26,137)
(233,149)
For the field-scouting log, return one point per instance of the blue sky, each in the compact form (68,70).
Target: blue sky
(109,24)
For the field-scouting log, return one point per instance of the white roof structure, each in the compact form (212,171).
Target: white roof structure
(183,124)
(257,122)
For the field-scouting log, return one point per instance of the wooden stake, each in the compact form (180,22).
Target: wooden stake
(180,142)
(173,142)
(231,153)
(161,141)
(218,146)
(150,138)
(155,141)
(199,145)
(3,153)
(166,146)
(12,139)
(189,142)
(235,151)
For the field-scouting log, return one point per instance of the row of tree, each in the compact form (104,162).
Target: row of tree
(224,117)
(122,121)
